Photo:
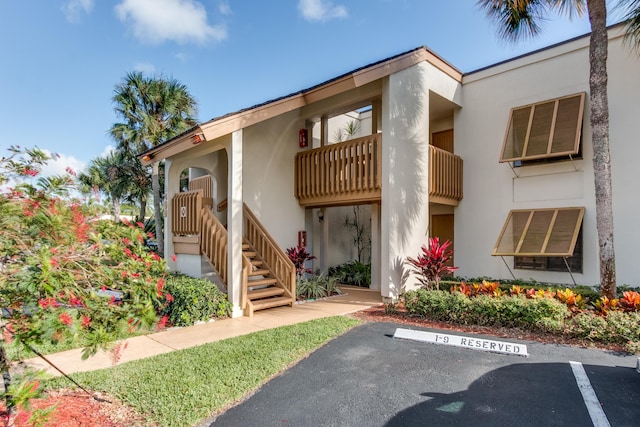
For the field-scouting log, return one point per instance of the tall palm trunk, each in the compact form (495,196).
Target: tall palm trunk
(115,205)
(143,209)
(598,51)
(155,186)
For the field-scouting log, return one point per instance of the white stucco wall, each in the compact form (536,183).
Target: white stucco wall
(492,189)
(405,205)
(341,246)
(211,158)
(269,151)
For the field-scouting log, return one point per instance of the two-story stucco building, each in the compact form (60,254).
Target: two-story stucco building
(498,160)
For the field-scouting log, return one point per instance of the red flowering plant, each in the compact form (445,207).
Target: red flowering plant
(61,275)
(299,256)
(431,264)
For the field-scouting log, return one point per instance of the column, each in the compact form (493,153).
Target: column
(235,223)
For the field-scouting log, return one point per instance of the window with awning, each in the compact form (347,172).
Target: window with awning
(544,130)
(540,232)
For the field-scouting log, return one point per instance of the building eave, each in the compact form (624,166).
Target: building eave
(229,123)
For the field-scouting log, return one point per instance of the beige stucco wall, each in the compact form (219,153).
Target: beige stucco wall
(268,173)
(492,189)
(405,135)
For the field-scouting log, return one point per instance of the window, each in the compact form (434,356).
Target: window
(552,263)
(544,130)
(533,233)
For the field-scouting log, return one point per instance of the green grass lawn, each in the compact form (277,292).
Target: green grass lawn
(187,386)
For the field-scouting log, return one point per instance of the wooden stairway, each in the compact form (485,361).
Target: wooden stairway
(263,289)
(268,275)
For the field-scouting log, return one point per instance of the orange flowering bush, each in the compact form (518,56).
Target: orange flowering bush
(61,274)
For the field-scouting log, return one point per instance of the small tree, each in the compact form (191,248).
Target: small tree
(361,235)
(61,275)
(431,264)
(349,131)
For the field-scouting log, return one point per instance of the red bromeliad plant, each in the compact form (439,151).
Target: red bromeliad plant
(431,264)
(61,275)
(299,256)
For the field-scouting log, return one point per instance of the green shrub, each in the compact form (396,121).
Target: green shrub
(317,287)
(544,314)
(438,305)
(534,314)
(615,327)
(193,300)
(352,273)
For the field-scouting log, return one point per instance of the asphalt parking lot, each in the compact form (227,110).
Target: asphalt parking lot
(369,378)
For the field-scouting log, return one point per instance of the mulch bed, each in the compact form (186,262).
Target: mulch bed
(77,409)
(379,314)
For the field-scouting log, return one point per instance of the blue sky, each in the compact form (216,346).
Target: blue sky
(62,58)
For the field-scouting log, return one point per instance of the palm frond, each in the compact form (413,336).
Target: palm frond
(631,10)
(521,19)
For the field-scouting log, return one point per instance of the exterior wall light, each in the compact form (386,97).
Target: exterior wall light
(197,138)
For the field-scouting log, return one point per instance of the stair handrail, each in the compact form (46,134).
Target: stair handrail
(282,267)
(214,242)
(214,245)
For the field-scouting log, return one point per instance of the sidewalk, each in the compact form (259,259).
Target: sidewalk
(172,339)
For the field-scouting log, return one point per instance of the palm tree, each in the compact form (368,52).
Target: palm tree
(139,180)
(516,18)
(153,111)
(105,174)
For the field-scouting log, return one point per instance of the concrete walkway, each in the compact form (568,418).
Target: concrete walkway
(354,299)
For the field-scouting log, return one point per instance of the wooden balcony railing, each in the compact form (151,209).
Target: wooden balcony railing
(340,174)
(350,173)
(273,256)
(445,177)
(204,183)
(185,208)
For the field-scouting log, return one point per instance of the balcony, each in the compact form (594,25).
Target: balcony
(346,173)
(445,177)
(350,173)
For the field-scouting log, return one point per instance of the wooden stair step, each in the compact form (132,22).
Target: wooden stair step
(246,246)
(271,302)
(256,262)
(249,254)
(262,282)
(259,272)
(265,293)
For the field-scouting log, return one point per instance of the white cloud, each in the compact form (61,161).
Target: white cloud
(144,67)
(107,150)
(157,21)
(321,10)
(73,9)
(182,56)
(224,8)
(60,164)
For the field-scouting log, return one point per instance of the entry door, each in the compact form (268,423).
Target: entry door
(443,140)
(442,227)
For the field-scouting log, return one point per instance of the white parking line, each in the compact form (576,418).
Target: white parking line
(596,413)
